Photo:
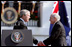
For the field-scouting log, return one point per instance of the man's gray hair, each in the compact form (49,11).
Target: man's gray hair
(23,12)
(57,16)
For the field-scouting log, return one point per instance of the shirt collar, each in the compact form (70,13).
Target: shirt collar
(54,23)
(23,21)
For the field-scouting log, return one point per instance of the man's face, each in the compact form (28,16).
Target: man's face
(52,19)
(27,17)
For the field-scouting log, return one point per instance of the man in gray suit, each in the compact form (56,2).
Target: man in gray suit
(58,35)
(20,24)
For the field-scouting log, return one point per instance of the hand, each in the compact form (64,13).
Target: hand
(41,44)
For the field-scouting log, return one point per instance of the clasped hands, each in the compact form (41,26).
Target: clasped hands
(40,43)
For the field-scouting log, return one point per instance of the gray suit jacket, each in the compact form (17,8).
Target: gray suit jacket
(58,36)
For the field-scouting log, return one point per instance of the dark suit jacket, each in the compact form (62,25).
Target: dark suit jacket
(21,25)
(58,36)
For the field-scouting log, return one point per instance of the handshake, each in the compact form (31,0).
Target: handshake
(40,43)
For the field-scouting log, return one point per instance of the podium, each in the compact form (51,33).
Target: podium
(6,39)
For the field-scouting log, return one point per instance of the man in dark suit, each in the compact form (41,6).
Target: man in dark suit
(20,24)
(58,35)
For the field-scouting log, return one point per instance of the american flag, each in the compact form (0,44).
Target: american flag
(56,5)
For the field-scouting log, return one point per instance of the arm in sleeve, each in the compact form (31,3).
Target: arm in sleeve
(53,36)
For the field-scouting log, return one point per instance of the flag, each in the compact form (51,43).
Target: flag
(64,17)
(65,21)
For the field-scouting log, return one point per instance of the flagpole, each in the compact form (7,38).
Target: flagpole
(3,3)
(2,8)
(33,2)
(19,8)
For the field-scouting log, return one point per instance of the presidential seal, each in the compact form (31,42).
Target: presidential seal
(17,36)
(9,16)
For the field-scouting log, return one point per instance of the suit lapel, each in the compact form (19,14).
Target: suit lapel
(53,29)
(22,24)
